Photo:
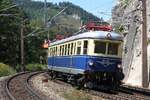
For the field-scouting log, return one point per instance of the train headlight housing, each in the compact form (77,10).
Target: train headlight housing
(119,66)
(90,62)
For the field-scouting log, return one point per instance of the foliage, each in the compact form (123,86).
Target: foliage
(33,12)
(18,68)
(125,2)
(119,28)
(10,32)
(73,9)
(35,67)
(5,70)
(10,27)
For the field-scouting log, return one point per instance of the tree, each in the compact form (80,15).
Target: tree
(9,33)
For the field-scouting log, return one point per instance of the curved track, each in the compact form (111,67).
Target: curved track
(121,93)
(18,87)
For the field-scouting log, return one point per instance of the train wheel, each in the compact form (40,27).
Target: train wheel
(89,85)
(80,82)
(52,75)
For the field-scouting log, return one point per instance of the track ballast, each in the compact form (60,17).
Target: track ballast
(18,88)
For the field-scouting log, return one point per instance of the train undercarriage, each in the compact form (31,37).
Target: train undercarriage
(89,79)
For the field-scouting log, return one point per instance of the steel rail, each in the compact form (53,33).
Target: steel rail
(137,90)
(115,94)
(29,89)
(7,85)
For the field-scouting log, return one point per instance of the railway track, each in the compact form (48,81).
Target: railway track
(18,87)
(122,93)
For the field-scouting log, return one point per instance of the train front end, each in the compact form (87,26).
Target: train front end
(104,62)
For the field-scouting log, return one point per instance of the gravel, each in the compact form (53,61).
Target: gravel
(54,90)
(3,95)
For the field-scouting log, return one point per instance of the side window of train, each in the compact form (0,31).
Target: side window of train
(58,47)
(49,51)
(65,49)
(71,50)
(79,47)
(74,48)
(68,49)
(52,51)
(85,47)
(113,48)
(56,50)
(100,47)
(60,52)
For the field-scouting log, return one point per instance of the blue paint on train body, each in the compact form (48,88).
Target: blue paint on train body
(100,64)
(104,64)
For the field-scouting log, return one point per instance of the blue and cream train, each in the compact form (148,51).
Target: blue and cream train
(89,57)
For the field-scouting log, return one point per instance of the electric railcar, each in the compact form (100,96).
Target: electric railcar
(90,57)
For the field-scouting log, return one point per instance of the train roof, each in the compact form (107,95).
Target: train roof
(91,35)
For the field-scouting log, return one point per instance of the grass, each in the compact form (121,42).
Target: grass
(35,67)
(6,70)
(76,95)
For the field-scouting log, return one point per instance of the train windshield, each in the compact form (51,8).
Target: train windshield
(100,47)
(113,48)
(106,48)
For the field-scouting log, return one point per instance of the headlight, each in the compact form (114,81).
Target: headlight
(90,62)
(119,66)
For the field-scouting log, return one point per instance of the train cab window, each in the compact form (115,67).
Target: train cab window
(113,48)
(100,47)
(85,46)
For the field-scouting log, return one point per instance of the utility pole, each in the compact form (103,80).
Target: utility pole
(45,13)
(144,46)
(45,17)
(22,46)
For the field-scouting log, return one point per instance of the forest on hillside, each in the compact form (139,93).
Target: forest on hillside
(30,14)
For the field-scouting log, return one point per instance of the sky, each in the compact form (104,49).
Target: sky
(100,8)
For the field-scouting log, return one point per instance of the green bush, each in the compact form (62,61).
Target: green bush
(35,67)
(18,68)
(6,70)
